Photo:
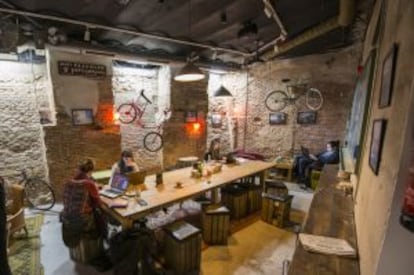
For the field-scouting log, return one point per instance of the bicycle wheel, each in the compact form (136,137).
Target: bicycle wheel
(39,194)
(153,141)
(314,99)
(127,113)
(276,101)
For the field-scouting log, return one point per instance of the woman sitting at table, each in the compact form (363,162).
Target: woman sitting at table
(81,218)
(214,150)
(126,164)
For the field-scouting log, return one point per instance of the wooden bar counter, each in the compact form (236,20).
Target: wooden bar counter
(331,214)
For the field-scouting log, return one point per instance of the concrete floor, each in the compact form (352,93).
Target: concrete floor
(256,249)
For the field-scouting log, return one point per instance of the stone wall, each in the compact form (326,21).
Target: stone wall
(21,134)
(127,84)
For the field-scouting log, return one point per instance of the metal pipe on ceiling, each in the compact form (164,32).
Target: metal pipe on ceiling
(345,17)
(115,29)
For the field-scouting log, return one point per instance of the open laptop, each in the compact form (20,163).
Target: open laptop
(118,185)
(135,178)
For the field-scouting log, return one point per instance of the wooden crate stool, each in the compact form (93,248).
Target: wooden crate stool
(183,248)
(276,209)
(276,188)
(216,224)
(235,199)
(254,196)
(87,250)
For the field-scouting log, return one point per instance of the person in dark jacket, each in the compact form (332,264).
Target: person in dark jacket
(81,216)
(126,164)
(305,164)
(213,152)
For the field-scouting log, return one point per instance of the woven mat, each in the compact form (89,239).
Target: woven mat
(24,255)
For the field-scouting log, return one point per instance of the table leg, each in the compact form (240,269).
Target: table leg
(289,175)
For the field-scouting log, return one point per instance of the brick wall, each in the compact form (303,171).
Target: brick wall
(190,96)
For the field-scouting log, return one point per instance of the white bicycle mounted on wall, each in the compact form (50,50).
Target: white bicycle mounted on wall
(277,100)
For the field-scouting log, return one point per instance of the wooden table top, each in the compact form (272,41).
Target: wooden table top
(166,194)
(331,214)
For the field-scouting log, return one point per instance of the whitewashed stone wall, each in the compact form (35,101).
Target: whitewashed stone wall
(127,84)
(21,134)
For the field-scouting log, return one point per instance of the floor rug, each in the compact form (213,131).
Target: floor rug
(24,255)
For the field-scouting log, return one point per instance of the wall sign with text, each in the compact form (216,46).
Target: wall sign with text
(83,69)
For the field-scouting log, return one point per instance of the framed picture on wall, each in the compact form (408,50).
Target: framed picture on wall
(82,117)
(387,77)
(190,116)
(377,138)
(277,118)
(308,117)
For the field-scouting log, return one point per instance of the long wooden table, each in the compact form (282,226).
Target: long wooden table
(167,193)
(331,215)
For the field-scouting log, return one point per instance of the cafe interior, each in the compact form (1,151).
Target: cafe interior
(190,136)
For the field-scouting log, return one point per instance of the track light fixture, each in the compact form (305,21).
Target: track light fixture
(87,35)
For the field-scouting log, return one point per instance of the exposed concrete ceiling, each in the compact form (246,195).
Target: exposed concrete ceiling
(216,31)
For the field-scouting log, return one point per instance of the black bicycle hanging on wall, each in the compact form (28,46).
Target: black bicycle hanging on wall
(297,94)
(134,111)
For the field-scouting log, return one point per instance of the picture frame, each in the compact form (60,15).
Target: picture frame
(278,118)
(82,117)
(377,139)
(387,77)
(190,116)
(216,120)
(306,117)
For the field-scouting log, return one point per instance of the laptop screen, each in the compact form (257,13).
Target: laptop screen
(136,178)
(119,181)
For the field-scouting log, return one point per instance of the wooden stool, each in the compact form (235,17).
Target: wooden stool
(216,223)
(254,196)
(276,188)
(183,248)
(235,199)
(186,161)
(87,250)
(276,210)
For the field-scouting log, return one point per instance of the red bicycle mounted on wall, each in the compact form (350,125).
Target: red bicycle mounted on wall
(134,111)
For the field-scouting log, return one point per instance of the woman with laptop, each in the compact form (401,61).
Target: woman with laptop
(126,164)
(81,218)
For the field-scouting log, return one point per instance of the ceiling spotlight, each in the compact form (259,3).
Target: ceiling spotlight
(87,35)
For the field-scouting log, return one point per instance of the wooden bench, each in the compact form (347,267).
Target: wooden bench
(331,214)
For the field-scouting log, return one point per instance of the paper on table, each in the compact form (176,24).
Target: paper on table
(326,245)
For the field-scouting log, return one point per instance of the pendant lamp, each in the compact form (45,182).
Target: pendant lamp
(222,92)
(189,73)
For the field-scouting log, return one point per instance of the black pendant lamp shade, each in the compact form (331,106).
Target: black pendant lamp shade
(222,92)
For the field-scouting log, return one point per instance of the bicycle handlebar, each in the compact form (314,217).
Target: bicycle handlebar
(146,98)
